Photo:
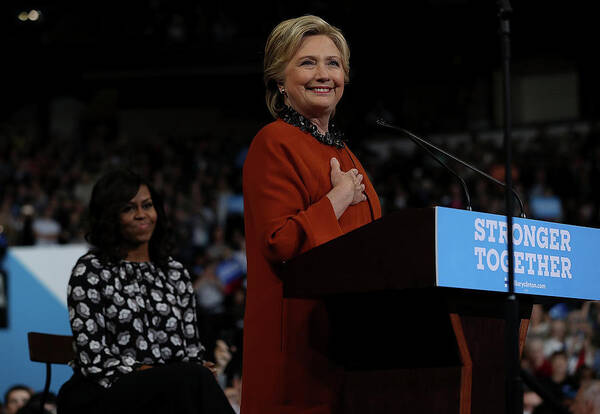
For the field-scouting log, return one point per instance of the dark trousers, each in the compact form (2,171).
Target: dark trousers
(180,388)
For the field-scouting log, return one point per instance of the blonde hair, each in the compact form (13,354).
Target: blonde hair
(283,43)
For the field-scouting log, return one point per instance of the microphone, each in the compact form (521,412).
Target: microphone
(426,145)
(420,143)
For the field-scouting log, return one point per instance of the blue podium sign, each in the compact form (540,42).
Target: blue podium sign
(550,259)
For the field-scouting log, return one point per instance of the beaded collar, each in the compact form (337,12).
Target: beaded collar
(333,137)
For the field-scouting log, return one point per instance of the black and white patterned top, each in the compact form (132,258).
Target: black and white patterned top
(127,314)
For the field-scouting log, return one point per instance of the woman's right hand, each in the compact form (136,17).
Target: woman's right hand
(347,190)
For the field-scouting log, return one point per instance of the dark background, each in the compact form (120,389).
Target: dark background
(430,64)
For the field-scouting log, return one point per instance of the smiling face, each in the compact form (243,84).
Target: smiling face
(314,78)
(138,218)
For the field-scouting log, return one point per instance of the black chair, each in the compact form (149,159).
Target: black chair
(50,349)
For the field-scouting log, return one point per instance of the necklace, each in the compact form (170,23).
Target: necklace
(333,137)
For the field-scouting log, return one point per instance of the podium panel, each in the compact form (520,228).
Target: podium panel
(417,325)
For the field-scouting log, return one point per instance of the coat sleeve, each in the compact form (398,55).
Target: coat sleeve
(194,350)
(277,200)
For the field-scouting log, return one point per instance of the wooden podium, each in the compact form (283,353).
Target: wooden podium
(405,344)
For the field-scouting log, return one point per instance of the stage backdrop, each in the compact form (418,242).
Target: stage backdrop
(37,301)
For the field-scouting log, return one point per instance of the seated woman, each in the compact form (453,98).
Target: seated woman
(133,313)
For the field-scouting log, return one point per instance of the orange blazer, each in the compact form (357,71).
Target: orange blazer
(286,177)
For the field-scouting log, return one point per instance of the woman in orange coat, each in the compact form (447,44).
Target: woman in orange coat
(302,187)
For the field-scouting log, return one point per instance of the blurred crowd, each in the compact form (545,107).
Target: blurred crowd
(22,399)
(561,353)
(45,184)
(553,170)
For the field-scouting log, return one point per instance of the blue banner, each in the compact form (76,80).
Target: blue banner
(550,259)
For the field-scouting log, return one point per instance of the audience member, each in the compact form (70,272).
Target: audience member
(556,341)
(533,359)
(560,383)
(222,355)
(33,405)
(45,228)
(16,397)
(539,323)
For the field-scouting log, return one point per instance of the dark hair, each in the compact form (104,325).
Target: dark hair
(17,387)
(109,195)
(560,352)
(33,408)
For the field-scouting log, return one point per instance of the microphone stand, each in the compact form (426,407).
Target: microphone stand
(514,386)
(424,144)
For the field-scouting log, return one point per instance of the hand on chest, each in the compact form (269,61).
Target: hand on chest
(316,175)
